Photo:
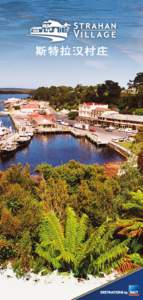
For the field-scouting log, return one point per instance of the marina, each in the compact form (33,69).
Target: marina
(30,132)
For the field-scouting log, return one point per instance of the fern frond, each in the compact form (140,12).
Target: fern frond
(110,259)
(71,230)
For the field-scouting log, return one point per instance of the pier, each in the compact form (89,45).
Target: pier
(25,131)
(75,132)
(26,125)
(124,152)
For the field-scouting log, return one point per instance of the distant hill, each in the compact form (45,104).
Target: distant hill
(15,91)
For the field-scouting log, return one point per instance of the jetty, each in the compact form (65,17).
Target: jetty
(92,137)
(11,140)
(32,117)
(118,148)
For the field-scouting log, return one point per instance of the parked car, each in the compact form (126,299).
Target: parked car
(92,129)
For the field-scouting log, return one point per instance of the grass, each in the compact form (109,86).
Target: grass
(132,146)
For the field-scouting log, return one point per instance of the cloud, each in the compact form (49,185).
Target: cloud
(99,65)
(132,49)
(136,56)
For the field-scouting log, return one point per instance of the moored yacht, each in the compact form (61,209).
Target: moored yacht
(23,139)
(3,130)
(8,148)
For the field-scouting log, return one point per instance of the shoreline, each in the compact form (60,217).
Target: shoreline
(94,139)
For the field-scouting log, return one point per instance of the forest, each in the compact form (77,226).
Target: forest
(109,92)
(72,218)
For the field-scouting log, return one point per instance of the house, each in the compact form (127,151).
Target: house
(41,123)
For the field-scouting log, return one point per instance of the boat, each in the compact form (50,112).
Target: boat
(8,148)
(28,131)
(4,130)
(23,140)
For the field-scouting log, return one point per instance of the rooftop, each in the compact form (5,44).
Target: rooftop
(31,106)
(123,117)
(94,103)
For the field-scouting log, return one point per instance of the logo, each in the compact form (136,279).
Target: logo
(53,30)
(134,290)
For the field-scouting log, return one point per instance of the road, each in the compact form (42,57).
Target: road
(101,133)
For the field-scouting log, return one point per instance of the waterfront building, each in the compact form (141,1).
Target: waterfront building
(121,120)
(92,110)
(44,125)
(42,122)
(100,114)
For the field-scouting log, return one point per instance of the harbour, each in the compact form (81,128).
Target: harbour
(30,132)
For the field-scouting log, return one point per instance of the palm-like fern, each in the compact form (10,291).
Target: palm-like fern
(136,202)
(74,249)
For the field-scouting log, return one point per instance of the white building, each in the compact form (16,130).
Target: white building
(92,110)
(121,120)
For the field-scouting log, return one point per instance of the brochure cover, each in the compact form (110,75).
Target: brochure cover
(71,149)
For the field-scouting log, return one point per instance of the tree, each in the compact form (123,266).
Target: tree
(139,135)
(138,111)
(138,79)
(72,115)
(24,259)
(54,196)
(101,89)
(113,89)
(140,161)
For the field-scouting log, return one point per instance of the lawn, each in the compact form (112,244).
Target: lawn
(132,146)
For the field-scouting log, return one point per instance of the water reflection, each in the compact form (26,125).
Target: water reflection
(58,149)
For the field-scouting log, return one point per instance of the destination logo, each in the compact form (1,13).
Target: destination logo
(53,30)
(58,32)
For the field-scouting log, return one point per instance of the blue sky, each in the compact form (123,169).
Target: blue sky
(19,66)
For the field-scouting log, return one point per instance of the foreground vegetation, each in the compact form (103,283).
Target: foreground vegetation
(71,218)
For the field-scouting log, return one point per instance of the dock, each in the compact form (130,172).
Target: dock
(79,133)
(25,129)
(118,148)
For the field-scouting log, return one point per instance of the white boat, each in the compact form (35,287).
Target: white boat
(29,132)
(23,139)
(4,130)
(8,148)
